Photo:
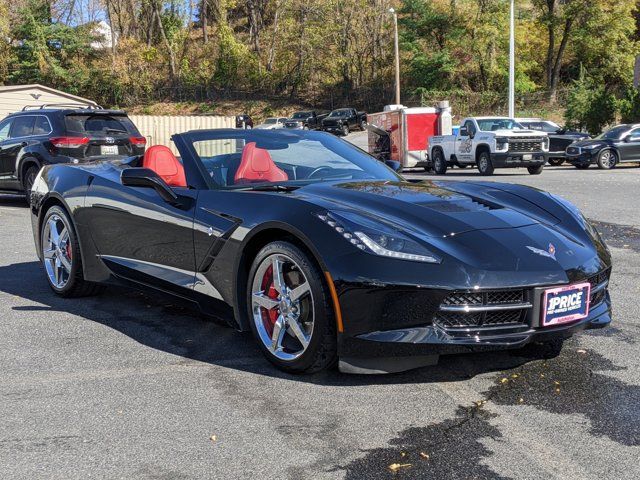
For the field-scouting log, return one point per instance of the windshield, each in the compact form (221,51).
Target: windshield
(271,121)
(244,158)
(614,134)
(303,115)
(339,113)
(492,124)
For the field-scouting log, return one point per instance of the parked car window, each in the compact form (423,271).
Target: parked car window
(549,127)
(99,124)
(22,126)
(471,128)
(302,115)
(614,134)
(635,133)
(271,121)
(4,129)
(41,126)
(282,119)
(340,113)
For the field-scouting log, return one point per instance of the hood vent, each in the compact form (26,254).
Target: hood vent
(463,205)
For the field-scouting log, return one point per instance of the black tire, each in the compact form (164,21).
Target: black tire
(345,130)
(76,285)
(556,162)
(582,166)
(485,166)
(535,170)
(439,162)
(28,177)
(321,352)
(363,125)
(607,159)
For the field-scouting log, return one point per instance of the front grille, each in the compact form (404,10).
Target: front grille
(598,295)
(490,309)
(573,150)
(525,144)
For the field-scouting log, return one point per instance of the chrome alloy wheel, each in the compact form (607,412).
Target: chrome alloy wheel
(57,251)
(282,306)
(482,163)
(608,159)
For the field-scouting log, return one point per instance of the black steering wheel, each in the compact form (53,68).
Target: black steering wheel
(319,169)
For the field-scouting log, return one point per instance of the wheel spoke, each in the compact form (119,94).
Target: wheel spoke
(65,263)
(299,292)
(297,330)
(63,236)
(265,302)
(278,334)
(49,253)
(56,270)
(54,236)
(278,279)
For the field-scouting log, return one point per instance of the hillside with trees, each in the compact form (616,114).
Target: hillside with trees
(574,53)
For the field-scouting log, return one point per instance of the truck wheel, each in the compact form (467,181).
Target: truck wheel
(345,129)
(535,170)
(28,178)
(363,125)
(485,167)
(439,163)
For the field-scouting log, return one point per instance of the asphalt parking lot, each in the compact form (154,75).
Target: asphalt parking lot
(125,385)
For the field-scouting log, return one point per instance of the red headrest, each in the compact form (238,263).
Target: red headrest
(257,165)
(162,161)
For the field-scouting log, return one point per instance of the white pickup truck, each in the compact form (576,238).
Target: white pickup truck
(489,143)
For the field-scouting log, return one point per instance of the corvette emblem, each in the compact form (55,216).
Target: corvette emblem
(549,253)
(110,140)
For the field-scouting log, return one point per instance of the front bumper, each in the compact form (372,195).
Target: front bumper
(398,349)
(516,159)
(337,129)
(584,158)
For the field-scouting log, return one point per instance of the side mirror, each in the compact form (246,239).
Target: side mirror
(393,165)
(147,178)
(463,132)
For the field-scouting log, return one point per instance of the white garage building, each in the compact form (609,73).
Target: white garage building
(15,98)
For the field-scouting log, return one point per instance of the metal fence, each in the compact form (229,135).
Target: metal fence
(158,128)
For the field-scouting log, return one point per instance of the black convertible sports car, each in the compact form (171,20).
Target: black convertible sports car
(323,252)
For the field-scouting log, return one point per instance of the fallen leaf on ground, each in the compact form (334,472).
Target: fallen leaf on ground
(424,455)
(213,438)
(394,467)
(581,350)
(504,380)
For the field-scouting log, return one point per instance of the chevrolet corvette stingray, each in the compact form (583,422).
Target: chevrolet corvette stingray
(327,255)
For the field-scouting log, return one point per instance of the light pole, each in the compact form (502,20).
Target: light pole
(512,62)
(397,53)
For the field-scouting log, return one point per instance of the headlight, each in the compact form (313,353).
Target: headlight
(502,143)
(376,237)
(545,143)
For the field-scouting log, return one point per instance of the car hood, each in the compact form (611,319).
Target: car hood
(518,133)
(589,142)
(485,225)
(436,209)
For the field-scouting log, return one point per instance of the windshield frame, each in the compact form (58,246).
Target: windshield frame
(198,176)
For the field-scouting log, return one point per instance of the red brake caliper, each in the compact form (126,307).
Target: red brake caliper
(69,250)
(269,317)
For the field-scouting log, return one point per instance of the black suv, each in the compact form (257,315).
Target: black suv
(32,138)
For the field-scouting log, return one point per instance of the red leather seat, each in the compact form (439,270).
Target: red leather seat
(256,165)
(161,160)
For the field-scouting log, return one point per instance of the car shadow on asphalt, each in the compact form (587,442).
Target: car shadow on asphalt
(9,200)
(162,322)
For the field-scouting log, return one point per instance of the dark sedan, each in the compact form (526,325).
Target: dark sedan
(617,145)
(324,253)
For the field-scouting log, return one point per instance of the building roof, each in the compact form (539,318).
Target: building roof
(17,88)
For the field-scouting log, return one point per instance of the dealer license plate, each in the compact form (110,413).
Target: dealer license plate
(566,304)
(528,156)
(108,150)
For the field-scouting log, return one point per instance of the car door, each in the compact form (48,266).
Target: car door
(464,143)
(630,148)
(19,133)
(6,162)
(139,235)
